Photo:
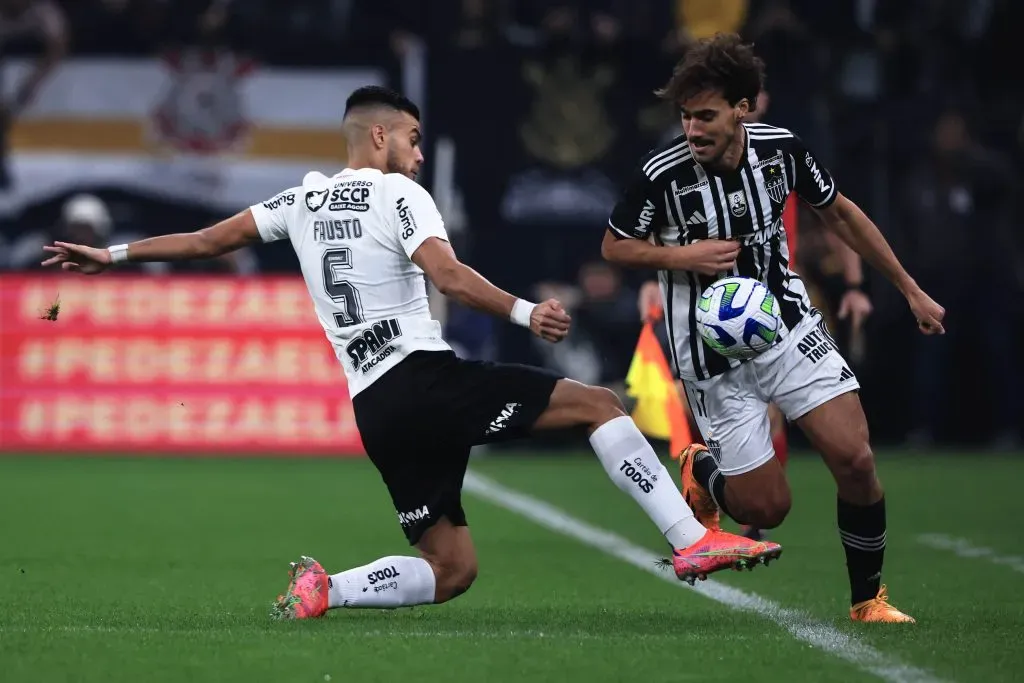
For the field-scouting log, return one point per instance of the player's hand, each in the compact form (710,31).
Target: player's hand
(710,257)
(649,301)
(856,306)
(928,314)
(549,321)
(78,257)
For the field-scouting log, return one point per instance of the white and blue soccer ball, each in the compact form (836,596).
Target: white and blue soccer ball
(738,317)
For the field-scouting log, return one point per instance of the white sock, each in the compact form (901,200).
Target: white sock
(396,581)
(634,467)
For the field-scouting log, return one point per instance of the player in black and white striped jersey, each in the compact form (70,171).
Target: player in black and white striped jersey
(707,205)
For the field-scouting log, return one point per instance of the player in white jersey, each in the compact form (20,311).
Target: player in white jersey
(710,204)
(365,238)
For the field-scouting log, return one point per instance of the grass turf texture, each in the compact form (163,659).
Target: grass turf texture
(164,570)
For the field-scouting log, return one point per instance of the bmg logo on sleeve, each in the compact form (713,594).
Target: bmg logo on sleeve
(406,219)
(287,198)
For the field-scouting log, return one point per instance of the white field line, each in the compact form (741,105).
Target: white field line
(961,547)
(487,634)
(800,625)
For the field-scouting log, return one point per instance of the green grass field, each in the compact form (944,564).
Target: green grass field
(149,570)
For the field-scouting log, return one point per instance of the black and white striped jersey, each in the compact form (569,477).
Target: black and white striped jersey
(673,200)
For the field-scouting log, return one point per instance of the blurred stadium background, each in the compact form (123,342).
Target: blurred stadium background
(155,116)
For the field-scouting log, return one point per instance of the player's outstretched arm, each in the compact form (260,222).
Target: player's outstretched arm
(846,220)
(707,257)
(454,279)
(228,235)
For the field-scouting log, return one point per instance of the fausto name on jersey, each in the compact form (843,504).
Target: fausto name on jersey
(330,231)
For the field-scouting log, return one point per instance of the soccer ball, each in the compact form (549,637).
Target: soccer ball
(738,317)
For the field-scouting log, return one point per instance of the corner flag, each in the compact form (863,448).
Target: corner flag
(659,410)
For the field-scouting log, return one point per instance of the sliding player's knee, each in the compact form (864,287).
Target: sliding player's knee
(602,405)
(454,576)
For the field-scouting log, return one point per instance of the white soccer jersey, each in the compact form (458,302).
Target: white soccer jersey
(355,234)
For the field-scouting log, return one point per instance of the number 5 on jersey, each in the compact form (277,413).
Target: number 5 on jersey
(341,291)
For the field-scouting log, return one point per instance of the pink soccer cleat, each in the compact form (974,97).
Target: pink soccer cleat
(718,550)
(306,597)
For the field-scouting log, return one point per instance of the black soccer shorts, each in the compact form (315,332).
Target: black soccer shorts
(419,421)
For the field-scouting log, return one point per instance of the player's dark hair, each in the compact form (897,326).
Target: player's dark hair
(376,95)
(722,63)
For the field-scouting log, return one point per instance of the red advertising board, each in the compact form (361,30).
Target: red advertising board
(183,365)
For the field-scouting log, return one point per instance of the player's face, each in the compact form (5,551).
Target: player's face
(404,153)
(711,124)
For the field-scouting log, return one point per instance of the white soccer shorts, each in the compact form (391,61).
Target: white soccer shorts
(799,374)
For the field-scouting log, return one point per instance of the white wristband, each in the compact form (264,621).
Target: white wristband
(118,253)
(521,311)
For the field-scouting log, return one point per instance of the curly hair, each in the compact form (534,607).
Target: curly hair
(722,63)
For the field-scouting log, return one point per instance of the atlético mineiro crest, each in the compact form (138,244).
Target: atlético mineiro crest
(202,111)
(775,182)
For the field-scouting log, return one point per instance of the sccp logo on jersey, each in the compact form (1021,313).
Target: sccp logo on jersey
(349,198)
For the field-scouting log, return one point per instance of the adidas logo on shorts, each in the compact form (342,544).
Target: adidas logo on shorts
(845,374)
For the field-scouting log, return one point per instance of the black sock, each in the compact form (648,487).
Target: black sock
(705,471)
(862,531)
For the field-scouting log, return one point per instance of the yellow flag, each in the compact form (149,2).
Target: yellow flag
(659,410)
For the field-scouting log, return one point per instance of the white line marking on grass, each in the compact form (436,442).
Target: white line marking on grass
(398,632)
(801,626)
(961,547)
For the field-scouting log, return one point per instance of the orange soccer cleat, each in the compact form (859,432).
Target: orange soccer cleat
(718,550)
(696,496)
(306,596)
(878,610)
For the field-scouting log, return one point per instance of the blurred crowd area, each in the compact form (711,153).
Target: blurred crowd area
(915,106)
